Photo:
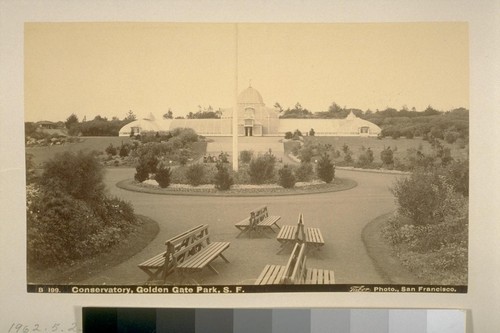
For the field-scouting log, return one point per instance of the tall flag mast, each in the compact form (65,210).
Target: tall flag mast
(235,108)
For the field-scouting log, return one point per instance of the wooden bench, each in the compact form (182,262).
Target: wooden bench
(188,252)
(258,221)
(295,271)
(291,234)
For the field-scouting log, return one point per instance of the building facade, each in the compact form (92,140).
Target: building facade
(254,119)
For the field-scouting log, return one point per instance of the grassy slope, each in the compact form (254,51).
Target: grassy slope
(43,154)
(377,145)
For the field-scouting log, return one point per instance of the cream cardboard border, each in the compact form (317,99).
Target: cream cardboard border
(17,306)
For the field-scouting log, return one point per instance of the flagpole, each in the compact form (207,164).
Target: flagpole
(235,108)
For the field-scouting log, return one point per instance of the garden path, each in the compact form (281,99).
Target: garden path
(340,215)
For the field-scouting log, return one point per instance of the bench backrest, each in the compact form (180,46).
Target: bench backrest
(300,235)
(257,215)
(295,269)
(182,246)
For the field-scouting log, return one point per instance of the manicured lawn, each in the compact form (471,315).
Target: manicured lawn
(43,154)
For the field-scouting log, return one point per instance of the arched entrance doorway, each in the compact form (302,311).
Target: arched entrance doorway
(248,121)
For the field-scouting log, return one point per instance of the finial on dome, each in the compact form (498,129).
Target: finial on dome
(250,83)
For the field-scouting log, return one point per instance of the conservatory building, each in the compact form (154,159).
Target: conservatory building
(254,119)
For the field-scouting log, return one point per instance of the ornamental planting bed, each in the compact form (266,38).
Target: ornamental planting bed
(150,186)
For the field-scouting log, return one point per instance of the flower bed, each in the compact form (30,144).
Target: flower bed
(151,186)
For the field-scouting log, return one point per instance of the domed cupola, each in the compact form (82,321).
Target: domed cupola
(250,96)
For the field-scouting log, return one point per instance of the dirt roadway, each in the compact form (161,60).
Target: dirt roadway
(341,216)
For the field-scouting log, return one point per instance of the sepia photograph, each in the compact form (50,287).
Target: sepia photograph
(246,157)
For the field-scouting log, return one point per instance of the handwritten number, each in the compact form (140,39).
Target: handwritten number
(73,328)
(57,327)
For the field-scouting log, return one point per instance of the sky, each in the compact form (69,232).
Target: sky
(108,69)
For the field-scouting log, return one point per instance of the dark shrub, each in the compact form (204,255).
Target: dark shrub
(451,136)
(222,179)
(297,134)
(409,134)
(124,150)
(79,174)
(304,172)
(261,168)
(194,174)
(162,176)
(62,229)
(148,155)
(246,156)
(457,175)
(142,173)
(306,154)
(418,196)
(311,132)
(111,150)
(182,156)
(288,135)
(347,153)
(365,159)
(387,156)
(396,134)
(325,169)
(286,177)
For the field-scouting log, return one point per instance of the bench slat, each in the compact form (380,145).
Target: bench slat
(314,236)
(258,220)
(269,221)
(287,232)
(156,261)
(188,251)
(271,274)
(205,256)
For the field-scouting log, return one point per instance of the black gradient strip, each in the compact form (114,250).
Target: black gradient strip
(280,320)
(231,289)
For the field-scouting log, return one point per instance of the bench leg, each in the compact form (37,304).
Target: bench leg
(243,231)
(213,269)
(225,259)
(153,274)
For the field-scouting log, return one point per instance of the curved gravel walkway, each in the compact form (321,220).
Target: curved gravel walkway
(341,216)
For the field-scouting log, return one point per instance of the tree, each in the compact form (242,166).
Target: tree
(325,169)
(162,176)
(335,111)
(195,173)
(71,121)
(286,177)
(347,153)
(169,114)
(130,117)
(261,168)
(387,156)
(223,179)
(304,172)
(142,173)
(366,158)
(111,150)
(246,156)
(297,112)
